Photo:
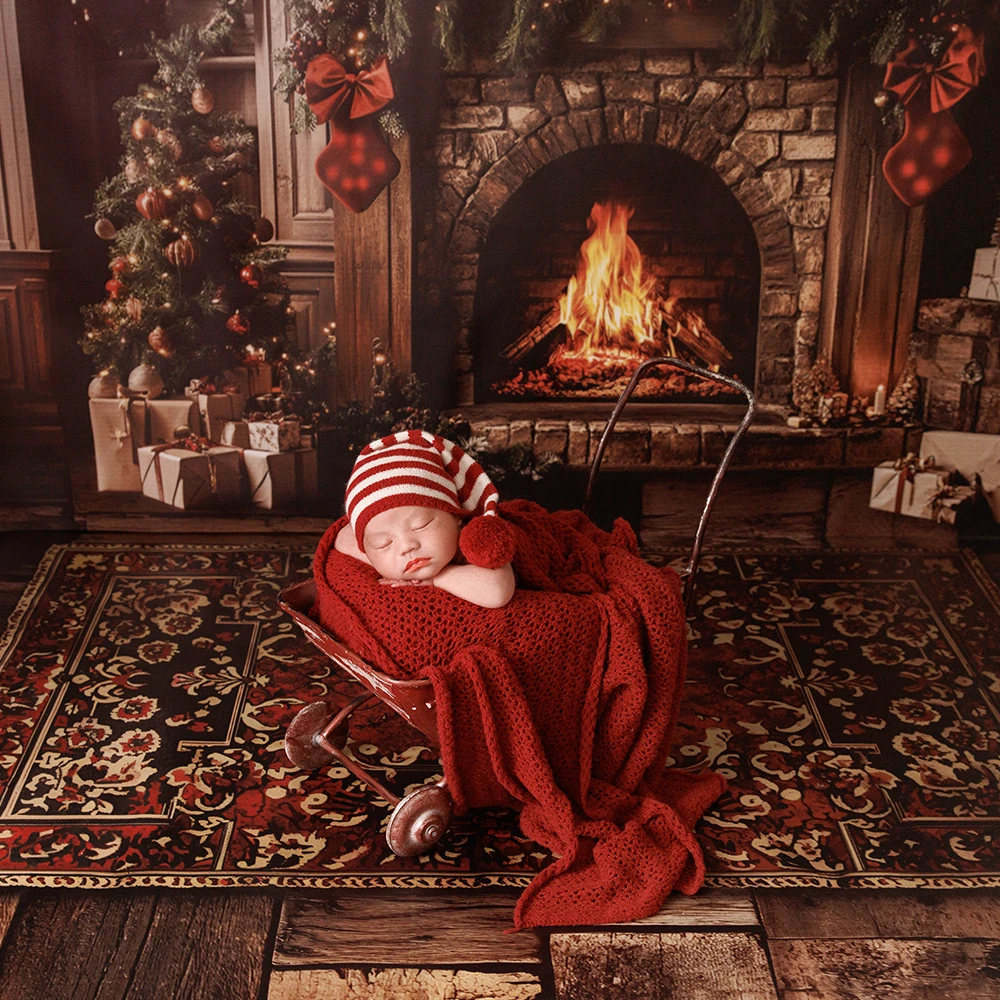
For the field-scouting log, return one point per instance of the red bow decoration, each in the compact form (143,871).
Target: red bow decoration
(958,72)
(356,164)
(933,148)
(329,87)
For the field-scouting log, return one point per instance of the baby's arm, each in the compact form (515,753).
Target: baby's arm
(489,588)
(346,542)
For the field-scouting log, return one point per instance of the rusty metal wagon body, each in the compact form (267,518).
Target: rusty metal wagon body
(318,734)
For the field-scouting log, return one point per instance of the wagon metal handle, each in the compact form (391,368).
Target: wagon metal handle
(692,566)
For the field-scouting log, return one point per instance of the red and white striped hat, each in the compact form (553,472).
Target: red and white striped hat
(420,469)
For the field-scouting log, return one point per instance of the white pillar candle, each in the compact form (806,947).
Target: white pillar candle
(878,404)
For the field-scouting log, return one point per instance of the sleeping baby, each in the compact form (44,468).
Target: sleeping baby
(406,501)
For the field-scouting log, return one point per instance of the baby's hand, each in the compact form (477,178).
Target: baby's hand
(407,583)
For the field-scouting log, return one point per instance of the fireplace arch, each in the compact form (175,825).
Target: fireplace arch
(700,258)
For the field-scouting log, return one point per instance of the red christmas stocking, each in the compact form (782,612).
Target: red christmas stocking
(356,164)
(933,149)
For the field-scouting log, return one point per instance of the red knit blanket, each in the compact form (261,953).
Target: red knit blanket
(562,703)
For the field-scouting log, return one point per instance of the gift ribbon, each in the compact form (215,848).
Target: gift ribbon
(128,422)
(959,71)
(993,278)
(908,466)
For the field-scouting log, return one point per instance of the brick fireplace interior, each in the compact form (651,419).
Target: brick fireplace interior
(697,275)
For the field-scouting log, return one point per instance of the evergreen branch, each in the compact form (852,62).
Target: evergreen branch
(395,28)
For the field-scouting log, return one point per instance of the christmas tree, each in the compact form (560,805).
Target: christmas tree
(192,292)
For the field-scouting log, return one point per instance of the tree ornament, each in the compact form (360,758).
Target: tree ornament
(145,379)
(161,342)
(142,128)
(180,253)
(252,275)
(237,324)
(113,286)
(170,143)
(134,170)
(881,99)
(264,229)
(216,145)
(356,165)
(105,228)
(103,386)
(121,265)
(152,204)
(133,308)
(202,208)
(202,100)
(933,148)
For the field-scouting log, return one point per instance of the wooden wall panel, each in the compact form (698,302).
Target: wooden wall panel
(874,244)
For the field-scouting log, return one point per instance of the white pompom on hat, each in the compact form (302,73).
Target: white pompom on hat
(420,469)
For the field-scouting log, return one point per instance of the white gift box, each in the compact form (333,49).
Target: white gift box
(190,479)
(270,435)
(119,431)
(985,281)
(903,491)
(216,409)
(166,415)
(969,455)
(236,434)
(279,478)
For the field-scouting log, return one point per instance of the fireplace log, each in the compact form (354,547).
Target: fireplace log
(524,343)
(705,345)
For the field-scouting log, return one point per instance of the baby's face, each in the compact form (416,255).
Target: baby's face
(411,543)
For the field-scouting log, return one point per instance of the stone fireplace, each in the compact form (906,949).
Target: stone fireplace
(727,170)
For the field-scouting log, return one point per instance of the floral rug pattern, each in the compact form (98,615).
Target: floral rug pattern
(850,700)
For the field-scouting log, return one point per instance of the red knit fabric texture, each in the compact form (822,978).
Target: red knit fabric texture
(562,703)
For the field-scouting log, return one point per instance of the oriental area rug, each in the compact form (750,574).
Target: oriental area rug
(850,700)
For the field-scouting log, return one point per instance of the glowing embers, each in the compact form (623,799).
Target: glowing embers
(610,318)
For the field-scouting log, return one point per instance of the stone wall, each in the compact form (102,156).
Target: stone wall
(768,130)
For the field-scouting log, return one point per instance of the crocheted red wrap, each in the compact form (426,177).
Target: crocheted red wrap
(562,703)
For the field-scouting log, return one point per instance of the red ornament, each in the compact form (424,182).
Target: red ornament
(202,208)
(236,323)
(152,204)
(357,164)
(160,341)
(120,265)
(216,145)
(180,253)
(252,275)
(933,148)
(114,286)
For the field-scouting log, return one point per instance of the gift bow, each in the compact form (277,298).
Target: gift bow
(958,72)
(192,442)
(913,463)
(943,503)
(329,87)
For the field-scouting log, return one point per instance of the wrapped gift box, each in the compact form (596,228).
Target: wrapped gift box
(906,487)
(969,455)
(191,479)
(274,435)
(985,283)
(280,478)
(166,415)
(216,409)
(261,377)
(119,427)
(237,378)
(236,434)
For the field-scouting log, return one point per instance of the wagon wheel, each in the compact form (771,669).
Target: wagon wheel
(419,821)
(301,738)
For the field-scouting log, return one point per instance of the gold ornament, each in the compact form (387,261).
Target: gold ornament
(134,170)
(170,143)
(142,128)
(216,145)
(202,100)
(105,228)
(133,308)
(881,98)
(202,208)
(264,229)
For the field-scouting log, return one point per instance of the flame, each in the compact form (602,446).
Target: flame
(609,307)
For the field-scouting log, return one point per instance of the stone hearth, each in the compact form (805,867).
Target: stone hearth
(767,130)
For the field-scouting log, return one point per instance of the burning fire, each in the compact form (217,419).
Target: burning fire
(609,306)
(613,316)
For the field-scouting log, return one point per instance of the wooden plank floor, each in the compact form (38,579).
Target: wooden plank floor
(438,945)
